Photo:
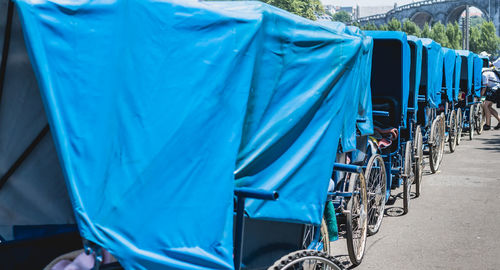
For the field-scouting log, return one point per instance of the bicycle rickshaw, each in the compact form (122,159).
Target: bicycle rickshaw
(390,94)
(148,148)
(429,99)
(447,97)
(466,96)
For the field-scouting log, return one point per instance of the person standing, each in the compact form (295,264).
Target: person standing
(491,81)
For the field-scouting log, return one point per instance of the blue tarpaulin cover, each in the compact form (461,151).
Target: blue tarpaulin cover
(294,119)
(363,83)
(415,72)
(391,67)
(477,74)
(157,106)
(456,76)
(466,70)
(434,71)
(360,95)
(449,59)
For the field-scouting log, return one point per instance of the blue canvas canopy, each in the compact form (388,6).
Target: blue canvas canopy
(157,107)
(466,71)
(477,74)
(432,72)
(415,71)
(449,59)
(360,91)
(391,70)
(456,76)
(363,78)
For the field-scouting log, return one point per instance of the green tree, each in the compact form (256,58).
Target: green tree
(394,25)
(438,34)
(342,16)
(476,21)
(411,28)
(304,8)
(454,35)
(369,27)
(474,40)
(426,31)
(488,40)
(383,27)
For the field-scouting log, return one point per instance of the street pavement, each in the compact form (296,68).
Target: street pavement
(454,224)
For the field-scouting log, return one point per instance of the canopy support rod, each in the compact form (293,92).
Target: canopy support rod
(24,155)
(6,42)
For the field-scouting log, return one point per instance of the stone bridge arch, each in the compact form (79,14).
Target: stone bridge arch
(432,11)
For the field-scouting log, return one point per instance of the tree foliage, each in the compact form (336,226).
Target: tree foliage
(394,25)
(426,31)
(438,34)
(411,28)
(369,27)
(488,40)
(383,27)
(454,35)
(342,16)
(474,36)
(304,8)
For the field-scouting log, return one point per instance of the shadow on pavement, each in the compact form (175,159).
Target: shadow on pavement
(491,144)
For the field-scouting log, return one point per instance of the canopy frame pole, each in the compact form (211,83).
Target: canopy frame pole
(24,155)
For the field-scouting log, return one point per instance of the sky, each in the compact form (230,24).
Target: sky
(366,2)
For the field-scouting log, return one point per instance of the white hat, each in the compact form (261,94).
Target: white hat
(483,53)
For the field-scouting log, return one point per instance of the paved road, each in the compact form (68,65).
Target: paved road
(455,224)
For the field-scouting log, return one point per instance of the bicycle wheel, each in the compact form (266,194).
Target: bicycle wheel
(460,124)
(471,122)
(307,260)
(419,160)
(435,144)
(376,188)
(452,131)
(356,219)
(443,133)
(479,120)
(407,178)
(309,238)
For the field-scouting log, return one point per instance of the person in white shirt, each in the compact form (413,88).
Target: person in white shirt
(490,83)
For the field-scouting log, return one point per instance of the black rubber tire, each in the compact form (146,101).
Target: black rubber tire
(434,146)
(376,182)
(296,258)
(407,178)
(460,125)
(419,160)
(356,217)
(479,121)
(471,122)
(452,131)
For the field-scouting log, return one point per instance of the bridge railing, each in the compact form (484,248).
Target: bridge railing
(398,9)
